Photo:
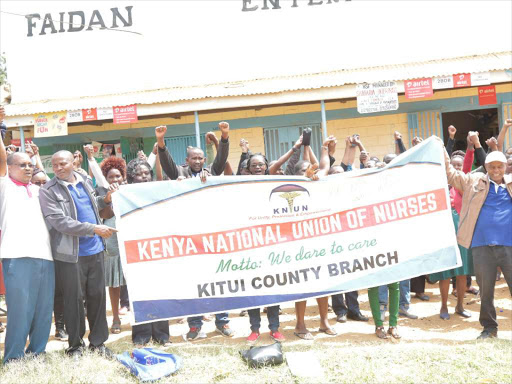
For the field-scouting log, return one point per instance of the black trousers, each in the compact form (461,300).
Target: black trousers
(58,306)
(79,281)
(352,305)
(124,300)
(418,284)
(159,331)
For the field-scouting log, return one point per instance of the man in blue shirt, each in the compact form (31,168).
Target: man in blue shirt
(71,210)
(486,227)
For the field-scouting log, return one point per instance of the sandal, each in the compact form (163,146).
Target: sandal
(116,328)
(379,331)
(304,335)
(394,332)
(328,331)
(473,290)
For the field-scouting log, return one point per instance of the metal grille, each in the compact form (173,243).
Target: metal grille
(278,141)
(424,124)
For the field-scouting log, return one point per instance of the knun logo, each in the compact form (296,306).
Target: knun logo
(290,198)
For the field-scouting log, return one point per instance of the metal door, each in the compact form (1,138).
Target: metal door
(278,141)
(424,124)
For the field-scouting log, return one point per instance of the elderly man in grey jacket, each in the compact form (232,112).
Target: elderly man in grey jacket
(71,210)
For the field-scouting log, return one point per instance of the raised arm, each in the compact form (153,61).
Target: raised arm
(211,140)
(399,144)
(283,159)
(244,145)
(223,150)
(451,139)
(458,179)
(312,158)
(3,152)
(323,169)
(503,134)
(101,181)
(166,161)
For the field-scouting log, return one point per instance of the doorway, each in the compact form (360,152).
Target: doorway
(485,121)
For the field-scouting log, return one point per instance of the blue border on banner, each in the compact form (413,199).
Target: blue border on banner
(153,310)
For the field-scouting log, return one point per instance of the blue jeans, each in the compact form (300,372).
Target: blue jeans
(29,291)
(272,316)
(221,319)
(352,306)
(405,294)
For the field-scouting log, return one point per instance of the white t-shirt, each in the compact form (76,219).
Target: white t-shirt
(24,231)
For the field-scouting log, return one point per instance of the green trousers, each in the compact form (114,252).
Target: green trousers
(394,300)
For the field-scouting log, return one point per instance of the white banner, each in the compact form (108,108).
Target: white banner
(377,97)
(239,242)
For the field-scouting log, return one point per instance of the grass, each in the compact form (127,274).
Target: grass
(342,362)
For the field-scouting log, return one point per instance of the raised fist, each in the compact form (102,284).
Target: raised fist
(452,131)
(224,128)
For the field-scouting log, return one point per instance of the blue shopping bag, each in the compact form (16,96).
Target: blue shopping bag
(149,364)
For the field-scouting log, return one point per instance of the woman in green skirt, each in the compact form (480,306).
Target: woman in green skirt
(465,254)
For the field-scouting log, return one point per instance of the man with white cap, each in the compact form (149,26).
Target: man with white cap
(486,227)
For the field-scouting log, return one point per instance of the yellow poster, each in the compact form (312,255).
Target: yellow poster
(50,124)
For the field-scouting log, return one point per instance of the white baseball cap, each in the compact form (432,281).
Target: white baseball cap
(496,156)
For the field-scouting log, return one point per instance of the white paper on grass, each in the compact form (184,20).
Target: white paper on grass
(304,364)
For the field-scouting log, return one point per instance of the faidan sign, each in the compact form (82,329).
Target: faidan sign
(75,21)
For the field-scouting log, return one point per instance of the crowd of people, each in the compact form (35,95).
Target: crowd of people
(59,248)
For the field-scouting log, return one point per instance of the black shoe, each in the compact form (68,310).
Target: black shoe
(488,334)
(357,316)
(61,334)
(341,318)
(102,351)
(75,354)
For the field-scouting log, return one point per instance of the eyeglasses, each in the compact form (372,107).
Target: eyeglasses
(40,183)
(25,165)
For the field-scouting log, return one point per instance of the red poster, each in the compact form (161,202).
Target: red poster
(487,95)
(418,88)
(17,142)
(462,80)
(89,114)
(126,114)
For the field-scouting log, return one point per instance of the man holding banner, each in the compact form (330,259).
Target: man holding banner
(195,163)
(486,227)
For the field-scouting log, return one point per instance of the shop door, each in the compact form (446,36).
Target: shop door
(424,124)
(278,141)
(484,121)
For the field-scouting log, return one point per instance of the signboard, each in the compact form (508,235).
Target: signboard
(105,113)
(46,160)
(75,116)
(487,95)
(462,80)
(89,114)
(297,239)
(377,97)
(481,78)
(50,124)
(443,82)
(17,142)
(126,114)
(418,88)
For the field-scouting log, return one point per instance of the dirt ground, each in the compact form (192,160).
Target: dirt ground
(428,327)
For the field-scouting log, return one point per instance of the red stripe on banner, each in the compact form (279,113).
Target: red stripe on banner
(166,247)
